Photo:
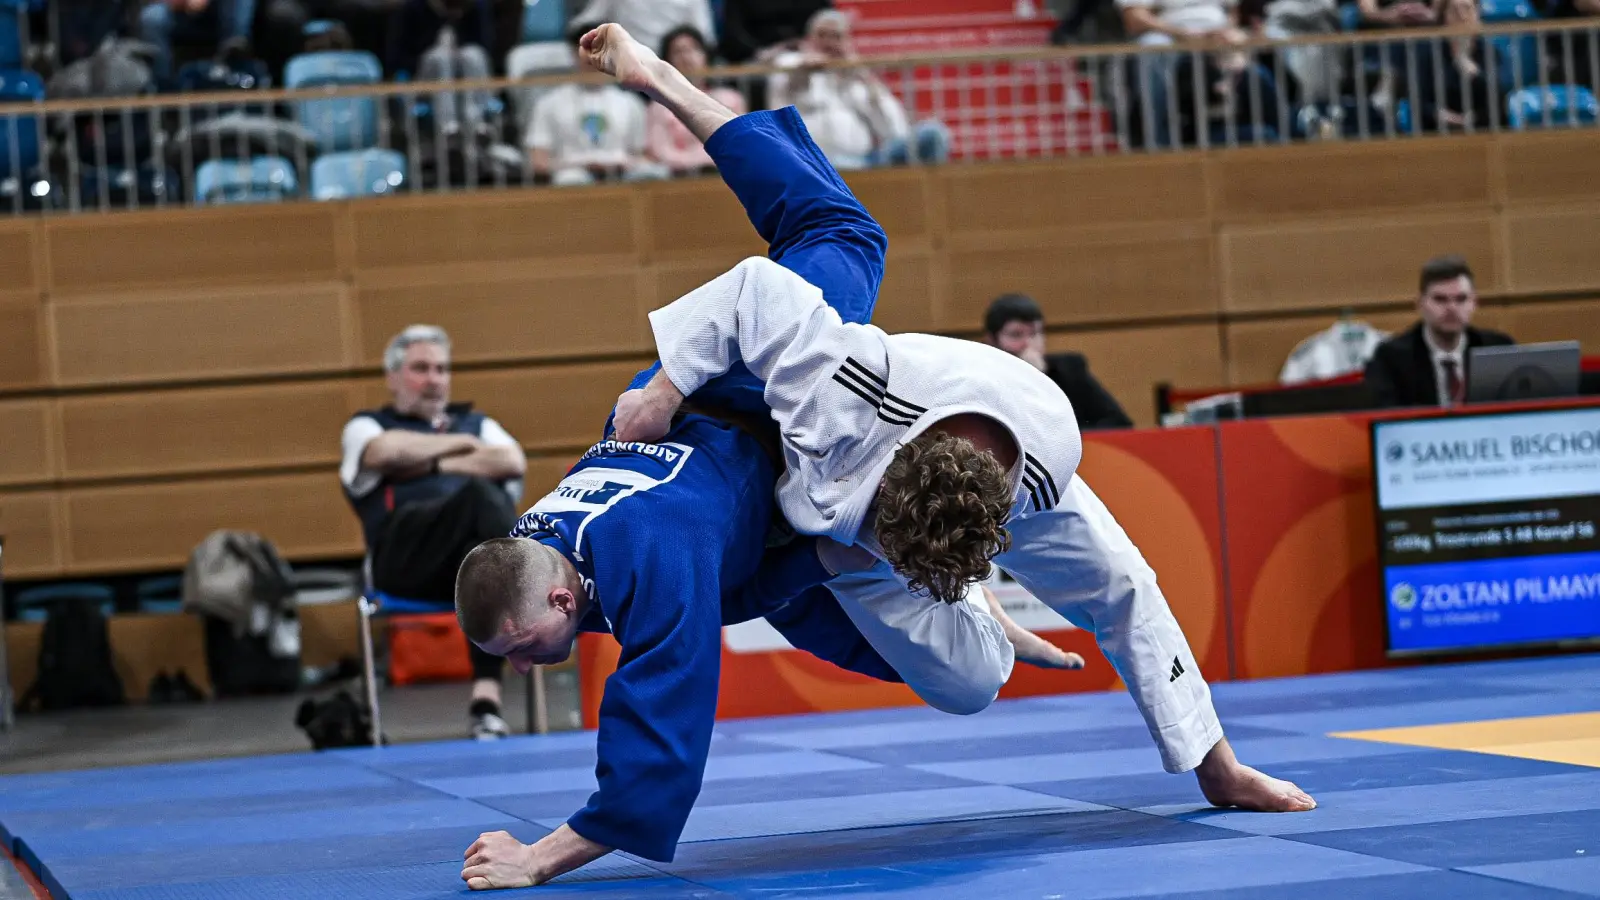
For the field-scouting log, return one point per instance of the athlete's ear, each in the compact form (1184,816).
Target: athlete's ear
(564,600)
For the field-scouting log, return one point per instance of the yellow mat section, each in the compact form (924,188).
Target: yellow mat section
(1572,738)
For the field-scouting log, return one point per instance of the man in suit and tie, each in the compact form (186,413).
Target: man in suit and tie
(1426,365)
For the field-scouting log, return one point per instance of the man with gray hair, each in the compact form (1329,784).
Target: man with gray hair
(430,480)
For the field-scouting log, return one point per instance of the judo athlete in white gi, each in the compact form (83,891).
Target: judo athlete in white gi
(862,414)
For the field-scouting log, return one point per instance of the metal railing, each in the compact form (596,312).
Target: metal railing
(344,141)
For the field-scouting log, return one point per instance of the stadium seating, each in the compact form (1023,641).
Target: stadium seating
(1561,105)
(19,134)
(265,179)
(358,173)
(342,123)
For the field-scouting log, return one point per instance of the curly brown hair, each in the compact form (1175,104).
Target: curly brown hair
(941,515)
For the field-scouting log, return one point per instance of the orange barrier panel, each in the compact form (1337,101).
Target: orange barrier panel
(1162,486)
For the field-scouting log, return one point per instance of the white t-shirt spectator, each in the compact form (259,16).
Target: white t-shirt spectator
(650,20)
(360,431)
(1193,16)
(848,116)
(588,125)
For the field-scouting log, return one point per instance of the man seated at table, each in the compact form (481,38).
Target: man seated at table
(1426,365)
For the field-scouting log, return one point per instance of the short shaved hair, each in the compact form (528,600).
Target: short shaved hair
(495,582)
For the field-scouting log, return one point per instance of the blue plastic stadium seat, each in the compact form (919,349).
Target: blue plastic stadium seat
(265,179)
(1563,104)
(1507,11)
(357,173)
(161,594)
(13,25)
(546,20)
(19,135)
(342,123)
(33,604)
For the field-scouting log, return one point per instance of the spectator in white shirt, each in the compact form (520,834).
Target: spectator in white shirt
(648,21)
(851,114)
(667,140)
(582,133)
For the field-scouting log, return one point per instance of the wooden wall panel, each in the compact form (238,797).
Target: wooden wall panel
(571,313)
(544,473)
(1130,362)
(669,281)
(906,300)
(899,199)
(156,526)
(143,645)
(1084,276)
(17,239)
(1032,196)
(1349,262)
(1350,178)
(698,218)
(27,441)
(170,432)
(493,227)
(30,524)
(1531,323)
(236,245)
(549,407)
(200,335)
(1256,351)
(22,654)
(1553,249)
(1553,166)
(22,343)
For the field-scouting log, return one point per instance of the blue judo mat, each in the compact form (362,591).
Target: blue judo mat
(1060,796)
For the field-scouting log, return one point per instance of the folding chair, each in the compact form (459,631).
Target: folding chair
(374,603)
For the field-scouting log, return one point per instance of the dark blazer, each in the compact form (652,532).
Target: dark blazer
(1400,372)
(1092,404)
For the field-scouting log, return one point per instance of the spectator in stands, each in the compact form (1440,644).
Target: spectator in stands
(366,22)
(581,133)
(1230,79)
(1441,104)
(667,140)
(416,30)
(84,24)
(1426,365)
(1015,324)
(851,114)
(225,24)
(1571,53)
(649,21)
(430,480)
(759,30)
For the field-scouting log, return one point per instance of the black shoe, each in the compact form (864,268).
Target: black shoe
(161,688)
(184,690)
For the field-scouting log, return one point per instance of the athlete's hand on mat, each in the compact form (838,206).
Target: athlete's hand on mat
(498,860)
(610,49)
(842,559)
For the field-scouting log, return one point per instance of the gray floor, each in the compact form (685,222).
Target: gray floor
(133,735)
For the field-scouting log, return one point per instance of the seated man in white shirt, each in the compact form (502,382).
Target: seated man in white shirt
(648,21)
(583,133)
(851,114)
(429,481)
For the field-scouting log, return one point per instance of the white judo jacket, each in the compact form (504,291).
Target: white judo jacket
(846,395)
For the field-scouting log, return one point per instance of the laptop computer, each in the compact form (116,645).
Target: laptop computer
(1523,372)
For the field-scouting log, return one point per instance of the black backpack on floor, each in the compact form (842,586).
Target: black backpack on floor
(75,659)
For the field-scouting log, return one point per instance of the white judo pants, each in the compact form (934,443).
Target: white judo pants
(1077,560)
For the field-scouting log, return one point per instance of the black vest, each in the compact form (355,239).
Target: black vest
(374,507)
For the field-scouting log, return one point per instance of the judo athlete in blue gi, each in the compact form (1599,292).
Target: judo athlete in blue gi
(662,544)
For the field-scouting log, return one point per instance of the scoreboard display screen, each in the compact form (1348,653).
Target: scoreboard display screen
(1487,530)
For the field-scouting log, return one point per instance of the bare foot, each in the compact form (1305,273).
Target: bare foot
(1030,648)
(1227,782)
(610,49)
